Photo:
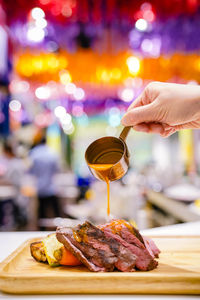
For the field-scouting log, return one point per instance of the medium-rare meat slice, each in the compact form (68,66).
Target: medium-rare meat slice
(125,259)
(144,261)
(65,236)
(118,225)
(130,238)
(98,252)
(148,248)
(128,234)
(151,246)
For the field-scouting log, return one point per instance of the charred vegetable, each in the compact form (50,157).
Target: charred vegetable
(52,251)
(37,251)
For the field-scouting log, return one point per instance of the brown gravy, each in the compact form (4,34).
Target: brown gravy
(103,172)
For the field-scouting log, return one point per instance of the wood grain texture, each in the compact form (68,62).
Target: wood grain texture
(178,273)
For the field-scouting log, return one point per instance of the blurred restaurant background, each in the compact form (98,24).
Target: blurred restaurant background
(69,70)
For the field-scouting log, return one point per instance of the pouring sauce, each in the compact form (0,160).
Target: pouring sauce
(103,171)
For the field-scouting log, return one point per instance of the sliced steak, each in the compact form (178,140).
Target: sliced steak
(95,250)
(151,247)
(130,238)
(118,225)
(144,261)
(125,258)
(131,235)
(65,236)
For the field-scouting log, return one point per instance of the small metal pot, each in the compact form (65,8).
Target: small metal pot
(109,150)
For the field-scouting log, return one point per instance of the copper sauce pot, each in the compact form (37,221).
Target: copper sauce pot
(112,151)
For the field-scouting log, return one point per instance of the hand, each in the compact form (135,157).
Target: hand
(165,108)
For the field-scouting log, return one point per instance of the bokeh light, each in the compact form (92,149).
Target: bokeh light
(68,129)
(79,94)
(149,16)
(141,25)
(15,105)
(127,95)
(114,111)
(114,120)
(70,88)
(43,92)
(41,23)
(66,119)
(60,111)
(37,13)
(77,109)
(146,6)
(35,34)
(133,64)
(19,86)
(65,77)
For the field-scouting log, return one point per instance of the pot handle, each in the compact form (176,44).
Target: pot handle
(124,133)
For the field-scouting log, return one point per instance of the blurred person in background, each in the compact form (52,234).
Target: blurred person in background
(44,166)
(14,166)
(165,108)
(14,170)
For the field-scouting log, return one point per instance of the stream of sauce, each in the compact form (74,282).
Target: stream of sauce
(103,172)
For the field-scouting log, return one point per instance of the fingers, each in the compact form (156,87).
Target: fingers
(150,127)
(155,128)
(136,103)
(148,95)
(142,127)
(142,114)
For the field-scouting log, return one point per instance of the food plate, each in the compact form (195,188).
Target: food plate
(183,192)
(178,272)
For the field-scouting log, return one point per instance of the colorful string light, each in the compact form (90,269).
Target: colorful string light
(90,67)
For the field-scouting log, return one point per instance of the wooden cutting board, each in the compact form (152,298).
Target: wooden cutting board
(178,273)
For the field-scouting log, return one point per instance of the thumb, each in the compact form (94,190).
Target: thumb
(142,114)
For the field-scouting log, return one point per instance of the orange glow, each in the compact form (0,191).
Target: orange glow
(90,67)
(65,77)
